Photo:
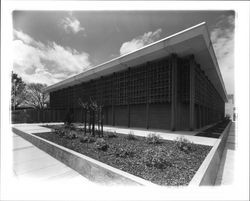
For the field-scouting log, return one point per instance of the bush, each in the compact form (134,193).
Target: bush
(156,157)
(70,134)
(153,138)
(60,131)
(184,145)
(101,144)
(87,139)
(123,152)
(131,136)
(70,126)
(111,134)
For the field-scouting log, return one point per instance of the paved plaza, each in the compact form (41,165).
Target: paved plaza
(31,162)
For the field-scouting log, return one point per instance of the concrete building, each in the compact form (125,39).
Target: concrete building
(174,83)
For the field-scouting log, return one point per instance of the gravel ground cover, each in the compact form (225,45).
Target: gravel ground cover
(163,162)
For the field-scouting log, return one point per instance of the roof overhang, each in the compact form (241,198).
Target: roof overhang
(194,40)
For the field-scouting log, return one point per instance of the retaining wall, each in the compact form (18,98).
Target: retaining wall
(92,169)
(207,173)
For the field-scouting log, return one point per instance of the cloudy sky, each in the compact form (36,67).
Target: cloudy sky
(50,46)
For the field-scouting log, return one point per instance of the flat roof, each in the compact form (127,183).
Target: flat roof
(194,40)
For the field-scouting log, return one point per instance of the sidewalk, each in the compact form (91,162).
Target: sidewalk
(226,170)
(29,162)
(165,134)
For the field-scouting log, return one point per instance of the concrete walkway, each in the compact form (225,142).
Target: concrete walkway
(226,170)
(29,162)
(165,134)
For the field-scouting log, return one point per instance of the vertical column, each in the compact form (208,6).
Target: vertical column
(128,115)
(191,92)
(200,116)
(147,95)
(203,115)
(54,115)
(128,94)
(205,121)
(223,110)
(38,116)
(207,116)
(174,92)
(147,113)
(113,99)
(205,108)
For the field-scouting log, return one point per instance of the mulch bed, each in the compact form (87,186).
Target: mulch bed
(183,165)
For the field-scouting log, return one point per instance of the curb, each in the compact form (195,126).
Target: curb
(207,173)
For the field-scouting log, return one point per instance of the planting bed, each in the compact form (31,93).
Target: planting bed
(214,131)
(164,162)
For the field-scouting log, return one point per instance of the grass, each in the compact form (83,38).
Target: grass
(169,166)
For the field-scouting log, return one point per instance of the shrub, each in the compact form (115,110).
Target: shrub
(60,131)
(123,152)
(87,139)
(70,126)
(153,138)
(80,131)
(71,134)
(101,144)
(156,157)
(184,145)
(131,136)
(111,134)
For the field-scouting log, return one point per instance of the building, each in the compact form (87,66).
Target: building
(229,107)
(174,83)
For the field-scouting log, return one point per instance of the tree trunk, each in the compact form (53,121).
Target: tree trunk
(89,121)
(85,121)
(98,122)
(101,123)
(93,123)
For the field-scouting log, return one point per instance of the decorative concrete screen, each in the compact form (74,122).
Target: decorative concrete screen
(174,83)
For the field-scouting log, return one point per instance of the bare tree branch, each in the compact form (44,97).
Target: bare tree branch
(36,98)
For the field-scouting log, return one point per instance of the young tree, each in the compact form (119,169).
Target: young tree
(85,107)
(94,110)
(18,91)
(36,98)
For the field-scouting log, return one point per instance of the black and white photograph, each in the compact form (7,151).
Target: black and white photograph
(137,102)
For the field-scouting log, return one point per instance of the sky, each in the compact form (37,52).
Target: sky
(50,46)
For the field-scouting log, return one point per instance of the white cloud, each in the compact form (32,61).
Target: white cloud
(222,37)
(22,36)
(37,62)
(27,39)
(140,41)
(72,25)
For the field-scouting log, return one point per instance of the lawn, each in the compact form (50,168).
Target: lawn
(163,162)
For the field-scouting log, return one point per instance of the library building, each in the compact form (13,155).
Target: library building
(172,84)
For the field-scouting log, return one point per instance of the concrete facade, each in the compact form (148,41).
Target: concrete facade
(174,83)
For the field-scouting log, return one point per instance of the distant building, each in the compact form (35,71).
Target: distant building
(229,106)
(174,83)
